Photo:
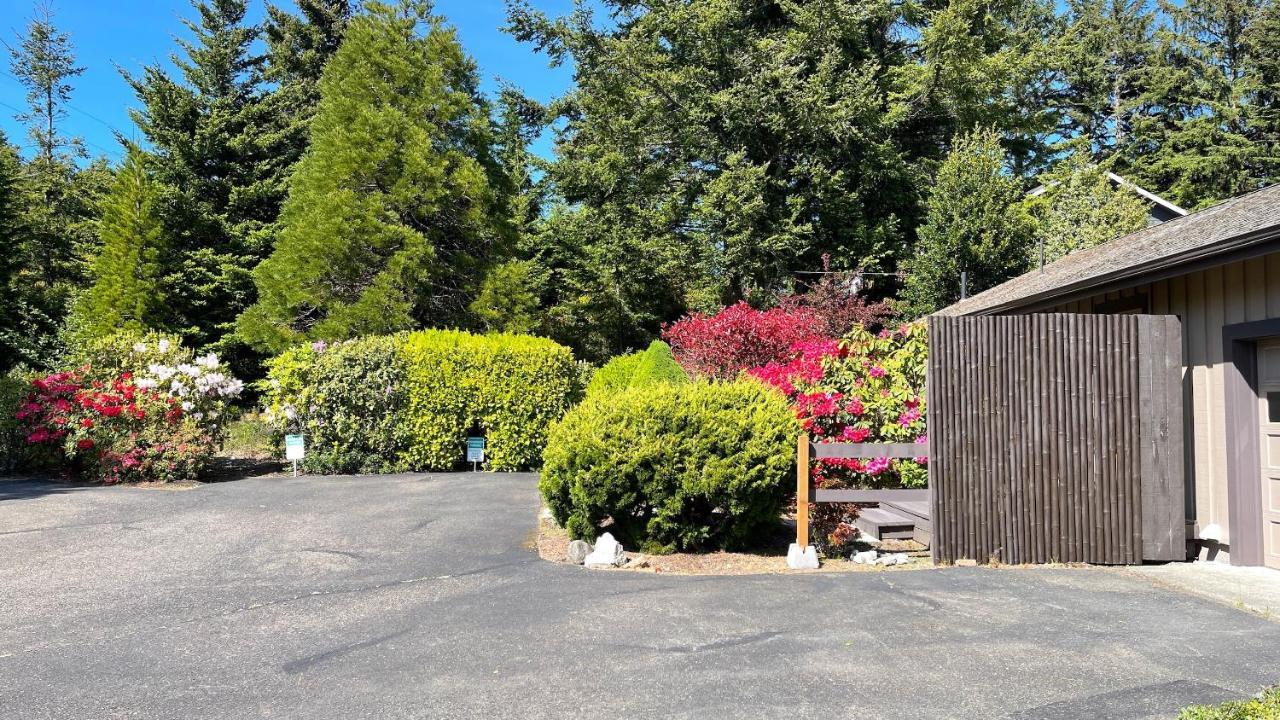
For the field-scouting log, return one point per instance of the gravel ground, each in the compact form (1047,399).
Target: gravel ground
(420,596)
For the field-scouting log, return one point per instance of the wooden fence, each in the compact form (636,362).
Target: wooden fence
(1056,438)
(807,451)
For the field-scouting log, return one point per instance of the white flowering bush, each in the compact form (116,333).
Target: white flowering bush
(131,408)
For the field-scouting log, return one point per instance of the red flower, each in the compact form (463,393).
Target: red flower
(87,422)
(85,444)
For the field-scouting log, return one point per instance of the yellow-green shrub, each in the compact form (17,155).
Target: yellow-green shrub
(674,467)
(408,402)
(653,366)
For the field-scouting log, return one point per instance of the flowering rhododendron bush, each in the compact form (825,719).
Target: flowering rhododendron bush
(867,387)
(154,412)
(738,338)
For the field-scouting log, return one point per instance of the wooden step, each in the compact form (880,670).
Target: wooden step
(883,523)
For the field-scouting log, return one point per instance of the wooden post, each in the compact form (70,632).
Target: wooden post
(802,491)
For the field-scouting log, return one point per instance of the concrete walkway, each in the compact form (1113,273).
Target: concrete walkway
(415,596)
(1254,589)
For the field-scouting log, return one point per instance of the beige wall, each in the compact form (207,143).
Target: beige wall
(1206,301)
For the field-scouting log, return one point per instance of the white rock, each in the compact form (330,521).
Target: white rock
(802,559)
(895,559)
(866,557)
(607,553)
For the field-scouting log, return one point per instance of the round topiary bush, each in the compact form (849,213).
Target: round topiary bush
(673,467)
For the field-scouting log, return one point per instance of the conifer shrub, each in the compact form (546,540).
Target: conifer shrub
(673,467)
(652,366)
(409,401)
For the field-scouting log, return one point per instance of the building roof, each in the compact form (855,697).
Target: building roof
(1227,228)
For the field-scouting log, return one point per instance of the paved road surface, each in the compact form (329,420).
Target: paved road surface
(414,596)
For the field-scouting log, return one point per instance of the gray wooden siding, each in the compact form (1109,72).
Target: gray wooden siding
(1206,300)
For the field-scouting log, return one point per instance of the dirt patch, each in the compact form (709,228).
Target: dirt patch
(552,540)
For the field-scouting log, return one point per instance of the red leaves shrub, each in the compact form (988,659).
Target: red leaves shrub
(113,431)
(738,338)
(836,305)
(867,387)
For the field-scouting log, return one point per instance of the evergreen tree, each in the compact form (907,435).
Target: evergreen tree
(1109,64)
(125,273)
(14,341)
(1080,208)
(1263,69)
(975,225)
(390,215)
(44,62)
(1202,149)
(218,181)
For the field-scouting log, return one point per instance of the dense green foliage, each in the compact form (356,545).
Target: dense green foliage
(333,169)
(654,365)
(409,401)
(390,213)
(125,275)
(1264,707)
(975,225)
(674,467)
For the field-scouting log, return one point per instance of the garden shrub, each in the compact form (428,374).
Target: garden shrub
(867,387)
(1264,707)
(149,410)
(14,388)
(738,338)
(409,401)
(652,366)
(348,400)
(673,466)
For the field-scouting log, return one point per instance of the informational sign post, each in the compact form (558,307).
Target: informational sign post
(475,452)
(294,449)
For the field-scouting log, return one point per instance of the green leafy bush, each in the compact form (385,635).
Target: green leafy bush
(513,387)
(408,402)
(652,366)
(1264,707)
(347,398)
(673,467)
(14,388)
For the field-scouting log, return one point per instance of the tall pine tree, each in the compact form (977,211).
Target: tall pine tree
(219,184)
(15,343)
(391,212)
(125,275)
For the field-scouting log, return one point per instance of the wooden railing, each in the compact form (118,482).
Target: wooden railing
(807,451)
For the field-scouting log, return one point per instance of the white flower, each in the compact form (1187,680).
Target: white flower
(209,361)
(162,372)
(198,416)
(290,413)
(189,369)
(139,347)
(186,407)
(146,383)
(163,346)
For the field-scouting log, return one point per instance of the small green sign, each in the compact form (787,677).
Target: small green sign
(475,449)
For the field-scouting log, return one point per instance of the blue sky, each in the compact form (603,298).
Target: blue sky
(134,33)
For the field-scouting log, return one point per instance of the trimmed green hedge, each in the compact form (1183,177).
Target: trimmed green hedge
(673,467)
(653,366)
(408,402)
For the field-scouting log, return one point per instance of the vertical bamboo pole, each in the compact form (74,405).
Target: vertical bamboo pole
(802,491)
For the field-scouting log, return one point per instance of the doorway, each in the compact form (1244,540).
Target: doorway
(1269,424)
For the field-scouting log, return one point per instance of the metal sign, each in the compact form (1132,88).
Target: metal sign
(294,447)
(475,449)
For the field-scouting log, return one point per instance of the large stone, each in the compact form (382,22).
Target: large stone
(895,559)
(805,558)
(578,551)
(607,553)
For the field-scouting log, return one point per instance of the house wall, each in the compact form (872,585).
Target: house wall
(1206,301)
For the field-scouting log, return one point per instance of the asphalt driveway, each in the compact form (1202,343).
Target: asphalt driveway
(415,596)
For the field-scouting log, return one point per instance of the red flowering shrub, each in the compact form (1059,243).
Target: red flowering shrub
(113,431)
(867,387)
(738,338)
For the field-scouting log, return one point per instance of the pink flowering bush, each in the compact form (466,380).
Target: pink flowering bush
(161,422)
(738,338)
(867,387)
